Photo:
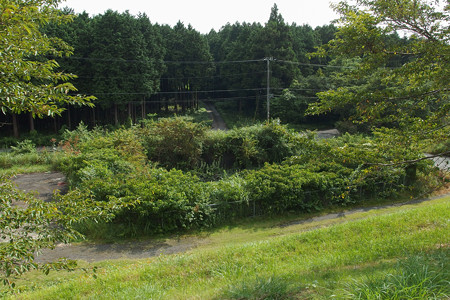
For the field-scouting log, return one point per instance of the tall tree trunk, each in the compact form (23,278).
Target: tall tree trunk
(94,121)
(15,125)
(184,100)
(30,115)
(143,108)
(130,113)
(256,107)
(196,100)
(69,119)
(116,113)
(55,124)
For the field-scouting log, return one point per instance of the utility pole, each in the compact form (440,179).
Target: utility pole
(268,59)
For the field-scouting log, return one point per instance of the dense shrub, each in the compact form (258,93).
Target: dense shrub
(174,142)
(279,188)
(252,146)
(285,171)
(97,154)
(160,200)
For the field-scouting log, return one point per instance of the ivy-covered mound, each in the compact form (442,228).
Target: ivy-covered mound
(173,174)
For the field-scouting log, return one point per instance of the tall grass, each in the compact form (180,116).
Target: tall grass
(314,264)
(423,276)
(28,162)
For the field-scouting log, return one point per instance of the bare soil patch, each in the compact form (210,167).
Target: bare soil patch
(43,185)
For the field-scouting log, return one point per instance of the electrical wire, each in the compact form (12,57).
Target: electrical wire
(178,92)
(173,78)
(165,61)
(206,62)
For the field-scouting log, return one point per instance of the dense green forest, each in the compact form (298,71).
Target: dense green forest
(134,68)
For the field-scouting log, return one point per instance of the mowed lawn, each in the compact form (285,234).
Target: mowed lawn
(328,262)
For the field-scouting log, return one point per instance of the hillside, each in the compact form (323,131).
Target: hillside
(279,262)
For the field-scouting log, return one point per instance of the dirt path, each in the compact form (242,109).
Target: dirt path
(46,183)
(218,122)
(131,250)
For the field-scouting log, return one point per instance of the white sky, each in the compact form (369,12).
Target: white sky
(205,15)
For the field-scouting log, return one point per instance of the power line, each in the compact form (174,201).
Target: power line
(164,61)
(177,92)
(311,64)
(215,76)
(172,100)
(215,62)
(299,89)
(200,92)
(206,62)
(171,78)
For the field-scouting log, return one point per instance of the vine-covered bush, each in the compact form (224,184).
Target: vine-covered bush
(279,188)
(272,170)
(173,142)
(252,146)
(159,200)
(98,154)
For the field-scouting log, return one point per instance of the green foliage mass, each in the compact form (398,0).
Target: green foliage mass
(30,81)
(399,86)
(173,174)
(174,142)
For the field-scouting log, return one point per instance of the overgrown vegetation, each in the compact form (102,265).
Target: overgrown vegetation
(172,174)
(28,225)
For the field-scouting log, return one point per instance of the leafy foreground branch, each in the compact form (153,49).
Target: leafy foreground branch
(28,225)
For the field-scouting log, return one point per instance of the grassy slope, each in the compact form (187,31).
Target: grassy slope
(316,263)
(11,163)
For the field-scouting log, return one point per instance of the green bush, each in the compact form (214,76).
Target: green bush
(280,188)
(174,142)
(285,171)
(252,146)
(25,146)
(100,153)
(155,200)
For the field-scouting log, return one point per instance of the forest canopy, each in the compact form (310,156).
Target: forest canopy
(135,67)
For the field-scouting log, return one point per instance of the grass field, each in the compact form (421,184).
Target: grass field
(394,253)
